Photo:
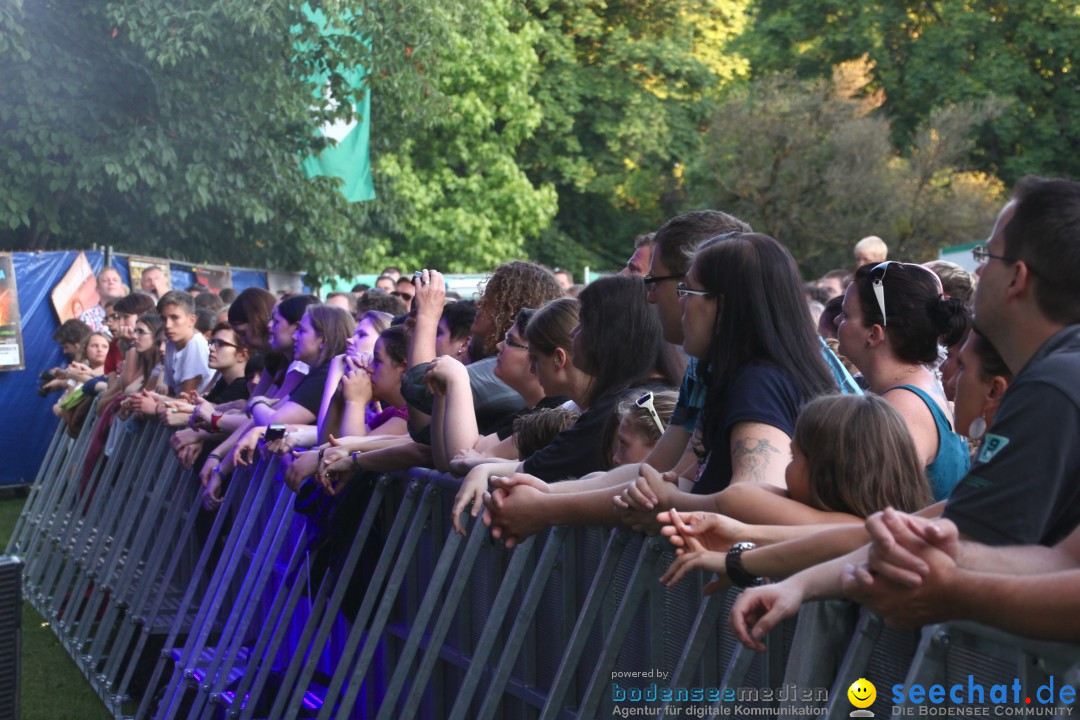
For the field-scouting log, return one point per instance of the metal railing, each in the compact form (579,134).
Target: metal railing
(370,606)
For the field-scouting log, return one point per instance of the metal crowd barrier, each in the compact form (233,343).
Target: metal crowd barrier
(370,606)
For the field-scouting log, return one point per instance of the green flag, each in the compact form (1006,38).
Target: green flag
(350,158)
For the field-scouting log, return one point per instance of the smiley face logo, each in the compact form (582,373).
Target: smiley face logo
(862,693)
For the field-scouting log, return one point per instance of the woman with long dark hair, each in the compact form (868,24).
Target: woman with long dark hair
(745,319)
(615,343)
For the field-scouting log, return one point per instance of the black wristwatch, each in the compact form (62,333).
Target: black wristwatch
(733,564)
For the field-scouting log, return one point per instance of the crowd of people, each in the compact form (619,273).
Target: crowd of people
(899,434)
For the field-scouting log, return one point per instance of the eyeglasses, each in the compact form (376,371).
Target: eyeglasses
(981,253)
(646,401)
(683,291)
(218,343)
(879,287)
(141,331)
(651,280)
(512,342)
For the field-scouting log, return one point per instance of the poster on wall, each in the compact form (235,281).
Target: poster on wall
(76,294)
(215,278)
(280,283)
(12,356)
(138,265)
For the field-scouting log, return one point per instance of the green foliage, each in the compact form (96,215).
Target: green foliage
(626,89)
(462,202)
(177,130)
(932,54)
(811,163)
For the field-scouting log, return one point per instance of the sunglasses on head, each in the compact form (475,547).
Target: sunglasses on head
(646,401)
(877,278)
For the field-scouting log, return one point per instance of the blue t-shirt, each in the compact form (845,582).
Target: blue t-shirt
(691,398)
(759,394)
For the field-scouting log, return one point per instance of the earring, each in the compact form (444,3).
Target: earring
(977,429)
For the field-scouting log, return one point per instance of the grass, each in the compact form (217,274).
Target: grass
(52,688)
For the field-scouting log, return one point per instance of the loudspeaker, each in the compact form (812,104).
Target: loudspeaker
(10,635)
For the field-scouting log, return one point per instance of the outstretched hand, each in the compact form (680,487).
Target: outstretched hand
(692,555)
(713,531)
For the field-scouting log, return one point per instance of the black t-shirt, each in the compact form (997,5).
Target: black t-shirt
(507,429)
(758,394)
(223,392)
(578,450)
(309,392)
(1024,487)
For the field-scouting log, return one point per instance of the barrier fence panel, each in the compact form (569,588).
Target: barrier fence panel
(181,618)
(967,655)
(368,605)
(35,497)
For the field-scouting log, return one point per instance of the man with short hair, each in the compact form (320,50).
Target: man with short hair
(835,282)
(638,264)
(564,278)
(871,249)
(404,291)
(394,273)
(153,282)
(187,355)
(385,283)
(345,301)
(110,284)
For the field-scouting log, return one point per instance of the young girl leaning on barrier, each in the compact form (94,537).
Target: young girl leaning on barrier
(852,455)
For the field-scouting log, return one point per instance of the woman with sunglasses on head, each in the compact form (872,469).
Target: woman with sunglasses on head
(893,319)
(614,345)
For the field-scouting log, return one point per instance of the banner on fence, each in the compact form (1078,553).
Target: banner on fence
(77,292)
(12,355)
(279,282)
(215,278)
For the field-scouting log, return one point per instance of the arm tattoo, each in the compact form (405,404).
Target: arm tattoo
(752,456)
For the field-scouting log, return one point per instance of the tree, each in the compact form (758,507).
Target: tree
(811,163)
(939,52)
(462,201)
(175,129)
(625,90)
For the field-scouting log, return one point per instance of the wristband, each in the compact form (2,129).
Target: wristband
(738,576)
(252,406)
(355,458)
(214,419)
(214,456)
(191,420)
